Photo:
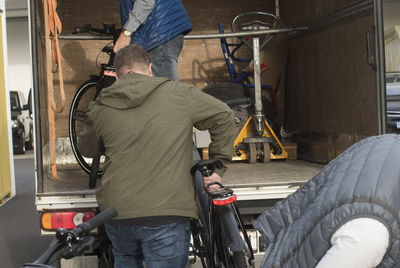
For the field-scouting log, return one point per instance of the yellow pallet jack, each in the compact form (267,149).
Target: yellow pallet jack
(256,139)
(250,147)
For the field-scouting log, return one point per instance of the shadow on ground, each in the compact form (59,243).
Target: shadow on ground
(20,239)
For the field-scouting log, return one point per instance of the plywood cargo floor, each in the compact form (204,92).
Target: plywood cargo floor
(275,172)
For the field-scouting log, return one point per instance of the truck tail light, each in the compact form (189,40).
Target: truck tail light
(224,201)
(68,219)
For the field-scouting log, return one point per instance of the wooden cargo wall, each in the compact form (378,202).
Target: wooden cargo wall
(44,137)
(200,63)
(331,94)
(326,90)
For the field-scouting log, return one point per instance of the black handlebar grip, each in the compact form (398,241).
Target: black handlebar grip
(77,30)
(84,29)
(98,220)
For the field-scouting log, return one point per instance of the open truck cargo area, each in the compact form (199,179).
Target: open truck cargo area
(260,182)
(328,79)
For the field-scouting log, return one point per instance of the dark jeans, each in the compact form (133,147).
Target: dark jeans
(165,246)
(164,58)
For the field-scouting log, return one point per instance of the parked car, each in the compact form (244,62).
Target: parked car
(22,123)
(393,101)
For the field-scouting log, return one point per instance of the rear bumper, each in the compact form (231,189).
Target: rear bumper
(393,120)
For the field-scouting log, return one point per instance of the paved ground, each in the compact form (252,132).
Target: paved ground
(20,239)
(28,154)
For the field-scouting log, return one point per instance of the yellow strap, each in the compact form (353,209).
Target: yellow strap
(55,28)
(53,56)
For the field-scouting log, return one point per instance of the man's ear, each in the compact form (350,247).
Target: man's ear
(150,71)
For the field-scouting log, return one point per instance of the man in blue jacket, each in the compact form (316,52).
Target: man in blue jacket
(158,26)
(348,215)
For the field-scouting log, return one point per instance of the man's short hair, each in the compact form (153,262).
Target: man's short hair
(133,57)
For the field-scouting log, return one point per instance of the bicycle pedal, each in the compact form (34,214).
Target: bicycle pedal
(192,260)
(78,248)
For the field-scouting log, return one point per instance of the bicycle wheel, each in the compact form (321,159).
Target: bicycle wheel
(200,245)
(226,91)
(230,91)
(84,95)
(222,254)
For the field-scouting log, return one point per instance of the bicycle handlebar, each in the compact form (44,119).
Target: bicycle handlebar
(108,29)
(95,222)
(84,29)
(64,236)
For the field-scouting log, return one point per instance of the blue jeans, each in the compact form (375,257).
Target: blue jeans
(165,246)
(164,58)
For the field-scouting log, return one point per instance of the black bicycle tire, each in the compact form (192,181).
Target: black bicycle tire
(201,244)
(226,91)
(71,122)
(221,244)
(202,230)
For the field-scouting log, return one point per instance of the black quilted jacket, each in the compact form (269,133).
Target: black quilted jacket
(364,181)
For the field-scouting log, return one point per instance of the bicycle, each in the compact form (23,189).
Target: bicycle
(72,243)
(210,243)
(88,92)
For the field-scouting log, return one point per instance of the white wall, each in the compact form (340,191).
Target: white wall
(391,14)
(391,17)
(7,101)
(19,70)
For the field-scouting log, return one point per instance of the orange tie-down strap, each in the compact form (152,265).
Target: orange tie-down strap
(53,57)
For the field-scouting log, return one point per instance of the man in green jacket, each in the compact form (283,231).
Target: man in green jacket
(144,125)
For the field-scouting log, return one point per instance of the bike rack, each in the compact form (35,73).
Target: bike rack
(195,36)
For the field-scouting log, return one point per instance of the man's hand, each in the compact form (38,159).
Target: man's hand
(122,41)
(213,178)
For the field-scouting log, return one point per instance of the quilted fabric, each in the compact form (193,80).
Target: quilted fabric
(364,181)
(167,20)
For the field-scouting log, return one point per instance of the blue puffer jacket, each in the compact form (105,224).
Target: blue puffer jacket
(167,20)
(361,182)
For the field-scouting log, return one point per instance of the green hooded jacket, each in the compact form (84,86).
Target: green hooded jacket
(144,125)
